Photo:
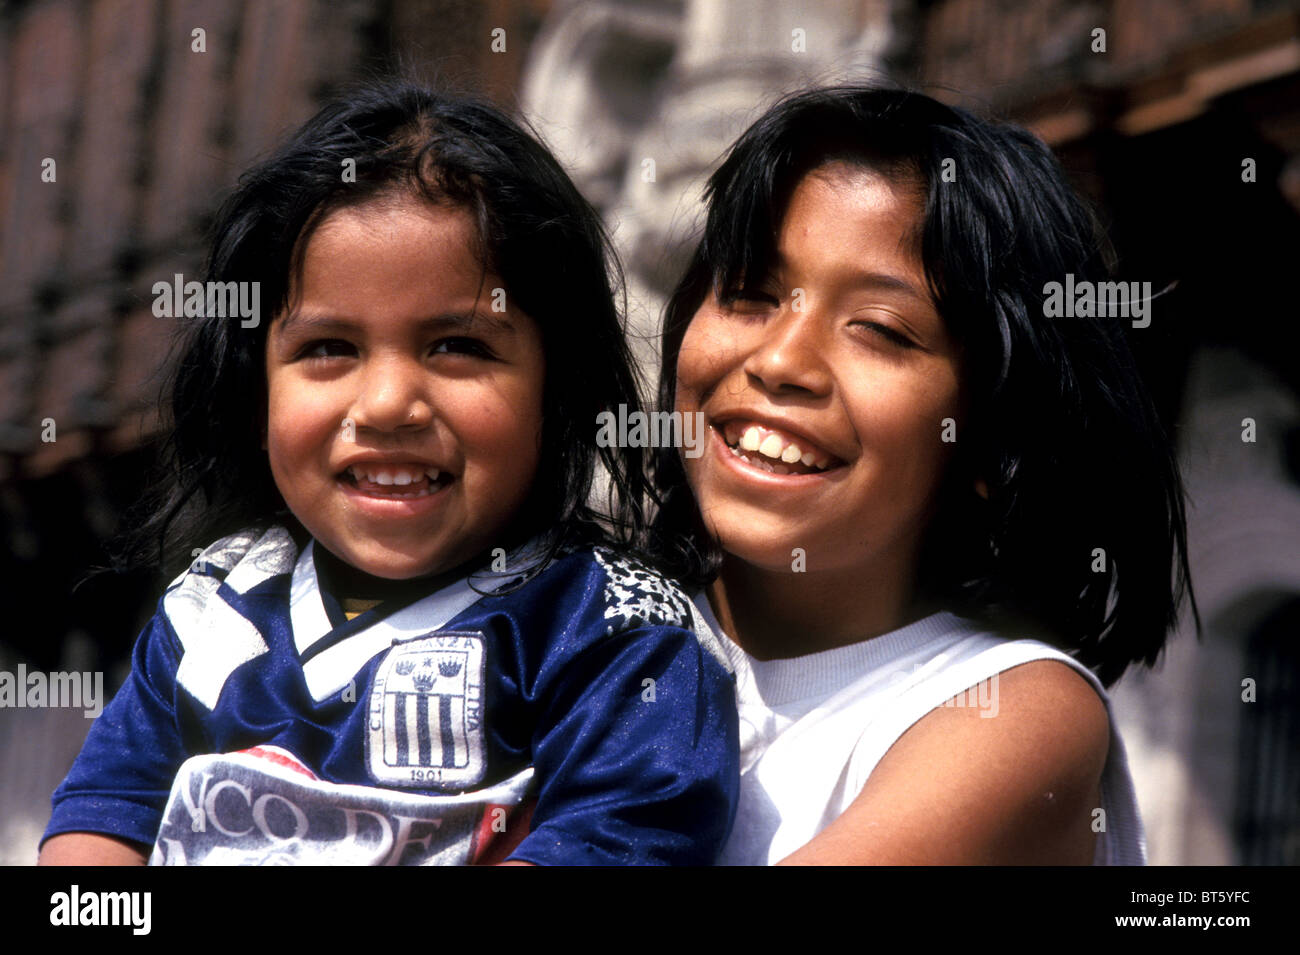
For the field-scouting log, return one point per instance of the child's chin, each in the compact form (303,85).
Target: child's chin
(411,571)
(396,566)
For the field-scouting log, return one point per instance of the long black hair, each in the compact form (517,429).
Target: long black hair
(1082,538)
(534,229)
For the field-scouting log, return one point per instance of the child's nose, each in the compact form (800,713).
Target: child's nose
(789,353)
(393,396)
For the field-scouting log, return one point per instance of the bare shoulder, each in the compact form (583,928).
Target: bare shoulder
(1012,782)
(1041,746)
(1053,702)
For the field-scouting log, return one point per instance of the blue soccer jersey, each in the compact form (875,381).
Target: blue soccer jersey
(588,708)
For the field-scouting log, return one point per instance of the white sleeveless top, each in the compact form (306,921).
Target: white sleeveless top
(813,728)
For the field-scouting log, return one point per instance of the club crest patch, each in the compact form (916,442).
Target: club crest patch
(424,719)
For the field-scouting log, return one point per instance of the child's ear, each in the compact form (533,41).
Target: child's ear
(981,486)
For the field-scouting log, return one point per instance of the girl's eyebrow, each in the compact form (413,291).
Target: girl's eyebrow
(886,282)
(873,281)
(320,323)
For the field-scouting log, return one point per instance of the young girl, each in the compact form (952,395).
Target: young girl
(927,513)
(412,632)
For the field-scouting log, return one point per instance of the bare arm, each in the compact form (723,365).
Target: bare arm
(89,848)
(961,789)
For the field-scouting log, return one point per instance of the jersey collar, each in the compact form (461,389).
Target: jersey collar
(332,651)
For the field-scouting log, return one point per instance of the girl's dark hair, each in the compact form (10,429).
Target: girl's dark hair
(1060,425)
(534,230)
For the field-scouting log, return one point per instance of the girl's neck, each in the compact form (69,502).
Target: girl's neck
(345,579)
(774,615)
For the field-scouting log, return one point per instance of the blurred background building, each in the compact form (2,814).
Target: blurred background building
(1179,118)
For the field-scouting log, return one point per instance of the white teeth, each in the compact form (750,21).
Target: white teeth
(395,477)
(776,447)
(771,446)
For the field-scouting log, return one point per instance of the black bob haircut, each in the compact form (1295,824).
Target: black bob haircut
(1060,426)
(534,230)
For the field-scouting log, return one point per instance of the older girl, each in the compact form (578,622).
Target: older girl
(933,523)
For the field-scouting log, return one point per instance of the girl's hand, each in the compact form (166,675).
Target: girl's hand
(89,848)
(960,788)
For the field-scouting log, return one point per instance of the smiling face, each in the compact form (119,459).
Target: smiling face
(826,384)
(403,414)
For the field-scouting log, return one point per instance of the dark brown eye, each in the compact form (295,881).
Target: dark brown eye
(748,297)
(327,348)
(462,346)
(889,334)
